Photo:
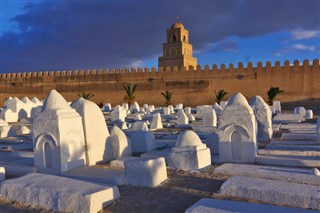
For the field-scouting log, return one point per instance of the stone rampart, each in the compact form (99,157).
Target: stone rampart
(190,86)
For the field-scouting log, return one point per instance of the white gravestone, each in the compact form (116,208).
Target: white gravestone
(209,117)
(118,114)
(117,145)
(95,129)
(237,132)
(156,122)
(182,118)
(300,110)
(263,116)
(309,114)
(145,172)
(58,137)
(189,152)
(142,141)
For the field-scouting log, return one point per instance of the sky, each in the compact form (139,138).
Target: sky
(45,35)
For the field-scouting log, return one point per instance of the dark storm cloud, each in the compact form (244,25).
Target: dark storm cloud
(227,46)
(101,34)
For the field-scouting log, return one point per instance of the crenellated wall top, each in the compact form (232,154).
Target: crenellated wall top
(287,66)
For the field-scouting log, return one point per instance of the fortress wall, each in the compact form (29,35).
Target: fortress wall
(192,86)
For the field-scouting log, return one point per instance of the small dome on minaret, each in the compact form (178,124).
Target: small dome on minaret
(177,25)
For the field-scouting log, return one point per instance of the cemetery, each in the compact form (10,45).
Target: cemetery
(236,155)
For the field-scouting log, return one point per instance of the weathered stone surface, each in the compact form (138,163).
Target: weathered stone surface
(58,193)
(273,192)
(145,172)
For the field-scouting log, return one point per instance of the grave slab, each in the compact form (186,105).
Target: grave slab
(299,137)
(58,193)
(294,142)
(293,147)
(303,176)
(273,192)
(97,174)
(288,152)
(206,205)
(146,172)
(287,161)
(119,162)
(287,118)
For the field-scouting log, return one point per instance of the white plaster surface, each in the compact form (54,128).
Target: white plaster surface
(292,161)
(166,111)
(237,131)
(2,173)
(263,116)
(135,107)
(97,174)
(187,110)
(125,106)
(140,125)
(9,116)
(309,114)
(212,142)
(277,106)
(138,116)
(287,118)
(191,117)
(23,130)
(201,109)
(107,107)
(142,141)
(119,162)
(95,129)
(217,108)
(223,104)
(206,205)
(58,193)
(298,137)
(295,175)
(120,144)
(4,131)
(59,145)
(146,172)
(300,142)
(273,192)
(209,117)
(189,152)
(300,110)
(288,152)
(188,138)
(157,153)
(293,147)
(190,160)
(156,122)
(182,118)
(118,114)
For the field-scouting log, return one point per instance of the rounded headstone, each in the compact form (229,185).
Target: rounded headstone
(55,101)
(237,99)
(188,138)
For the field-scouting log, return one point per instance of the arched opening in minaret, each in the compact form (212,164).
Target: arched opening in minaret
(184,38)
(174,39)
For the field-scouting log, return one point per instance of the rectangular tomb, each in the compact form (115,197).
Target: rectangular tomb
(273,192)
(58,193)
(206,205)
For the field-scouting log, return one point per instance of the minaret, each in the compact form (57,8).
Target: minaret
(177,51)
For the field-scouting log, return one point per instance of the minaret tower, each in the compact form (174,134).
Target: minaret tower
(177,51)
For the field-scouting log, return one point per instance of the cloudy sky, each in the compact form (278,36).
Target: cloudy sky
(39,35)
